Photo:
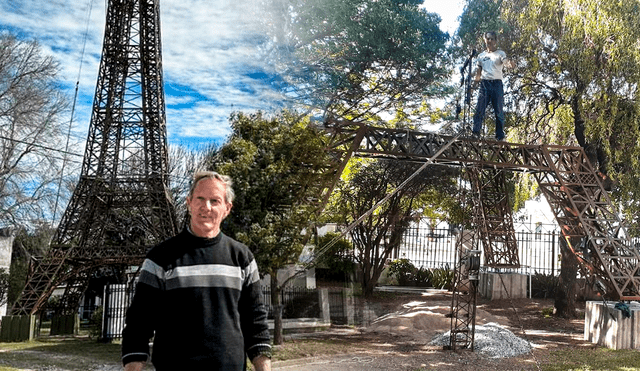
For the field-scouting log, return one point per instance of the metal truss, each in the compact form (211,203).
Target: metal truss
(581,205)
(464,291)
(585,213)
(492,217)
(121,205)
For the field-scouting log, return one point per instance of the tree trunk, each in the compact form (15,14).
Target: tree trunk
(278,339)
(566,294)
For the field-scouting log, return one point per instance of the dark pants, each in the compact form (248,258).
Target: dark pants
(491,91)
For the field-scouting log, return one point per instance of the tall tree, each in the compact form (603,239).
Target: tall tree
(356,58)
(380,233)
(276,164)
(31,130)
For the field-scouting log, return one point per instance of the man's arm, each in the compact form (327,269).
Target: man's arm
(260,363)
(478,76)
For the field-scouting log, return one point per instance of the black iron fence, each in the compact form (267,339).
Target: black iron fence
(117,298)
(296,302)
(432,247)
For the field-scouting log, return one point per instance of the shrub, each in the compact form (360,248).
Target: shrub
(338,259)
(95,324)
(442,278)
(543,286)
(423,277)
(403,271)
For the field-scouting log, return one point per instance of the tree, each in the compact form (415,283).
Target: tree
(577,83)
(31,130)
(276,164)
(27,244)
(356,58)
(380,233)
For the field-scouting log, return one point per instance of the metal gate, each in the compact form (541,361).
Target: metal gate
(116,301)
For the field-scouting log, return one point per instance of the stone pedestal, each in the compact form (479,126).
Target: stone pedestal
(607,326)
(494,286)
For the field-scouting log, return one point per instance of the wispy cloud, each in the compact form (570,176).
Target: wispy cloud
(210,57)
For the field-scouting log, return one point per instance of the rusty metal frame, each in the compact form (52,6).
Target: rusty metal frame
(573,188)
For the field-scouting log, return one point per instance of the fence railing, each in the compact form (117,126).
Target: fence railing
(428,247)
(296,302)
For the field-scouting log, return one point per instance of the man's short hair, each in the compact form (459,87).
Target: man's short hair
(492,33)
(225,179)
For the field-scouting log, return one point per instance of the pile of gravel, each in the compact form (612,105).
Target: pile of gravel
(492,340)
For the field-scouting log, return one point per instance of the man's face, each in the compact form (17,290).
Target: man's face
(208,207)
(491,42)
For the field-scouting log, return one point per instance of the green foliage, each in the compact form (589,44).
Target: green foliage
(380,232)
(338,259)
(403,271)
(544,286)
(478,17)
(442,278)
(276,163)
(408,274)
(27,243)
(95,324)
(355,58)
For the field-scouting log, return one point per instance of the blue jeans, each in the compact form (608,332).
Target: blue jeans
(491,91)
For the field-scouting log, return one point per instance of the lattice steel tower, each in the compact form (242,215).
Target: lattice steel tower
(121,205)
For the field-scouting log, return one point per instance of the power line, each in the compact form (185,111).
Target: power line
(40,146)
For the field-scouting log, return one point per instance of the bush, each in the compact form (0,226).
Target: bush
(408,275)
(95,324)
(403,271)
(337,261)
(442,278)
(423,277)
(543,286)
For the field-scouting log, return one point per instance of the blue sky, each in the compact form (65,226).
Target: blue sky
(209,53)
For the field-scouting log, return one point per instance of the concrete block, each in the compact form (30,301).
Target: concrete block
(494,286)
(607,326)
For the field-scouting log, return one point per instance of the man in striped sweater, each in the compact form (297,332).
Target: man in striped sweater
(198,295)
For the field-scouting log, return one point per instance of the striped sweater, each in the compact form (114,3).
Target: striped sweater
(201,299)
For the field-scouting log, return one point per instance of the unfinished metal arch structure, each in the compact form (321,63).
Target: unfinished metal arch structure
(121,205)
(572,187)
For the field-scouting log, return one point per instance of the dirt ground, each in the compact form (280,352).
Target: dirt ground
(401,339)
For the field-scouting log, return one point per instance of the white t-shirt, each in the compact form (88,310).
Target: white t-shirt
(491,64)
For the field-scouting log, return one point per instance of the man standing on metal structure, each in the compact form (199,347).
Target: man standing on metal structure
(489,74)
(198,295)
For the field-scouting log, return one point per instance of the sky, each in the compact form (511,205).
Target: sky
(209,55)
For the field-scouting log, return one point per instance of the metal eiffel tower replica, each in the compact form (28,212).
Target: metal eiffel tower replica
(121,205)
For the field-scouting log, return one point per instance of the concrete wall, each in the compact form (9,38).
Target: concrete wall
(494,286)
(607,326)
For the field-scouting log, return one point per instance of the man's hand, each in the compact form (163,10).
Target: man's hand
(135,366)
(510,63)
(261,363)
